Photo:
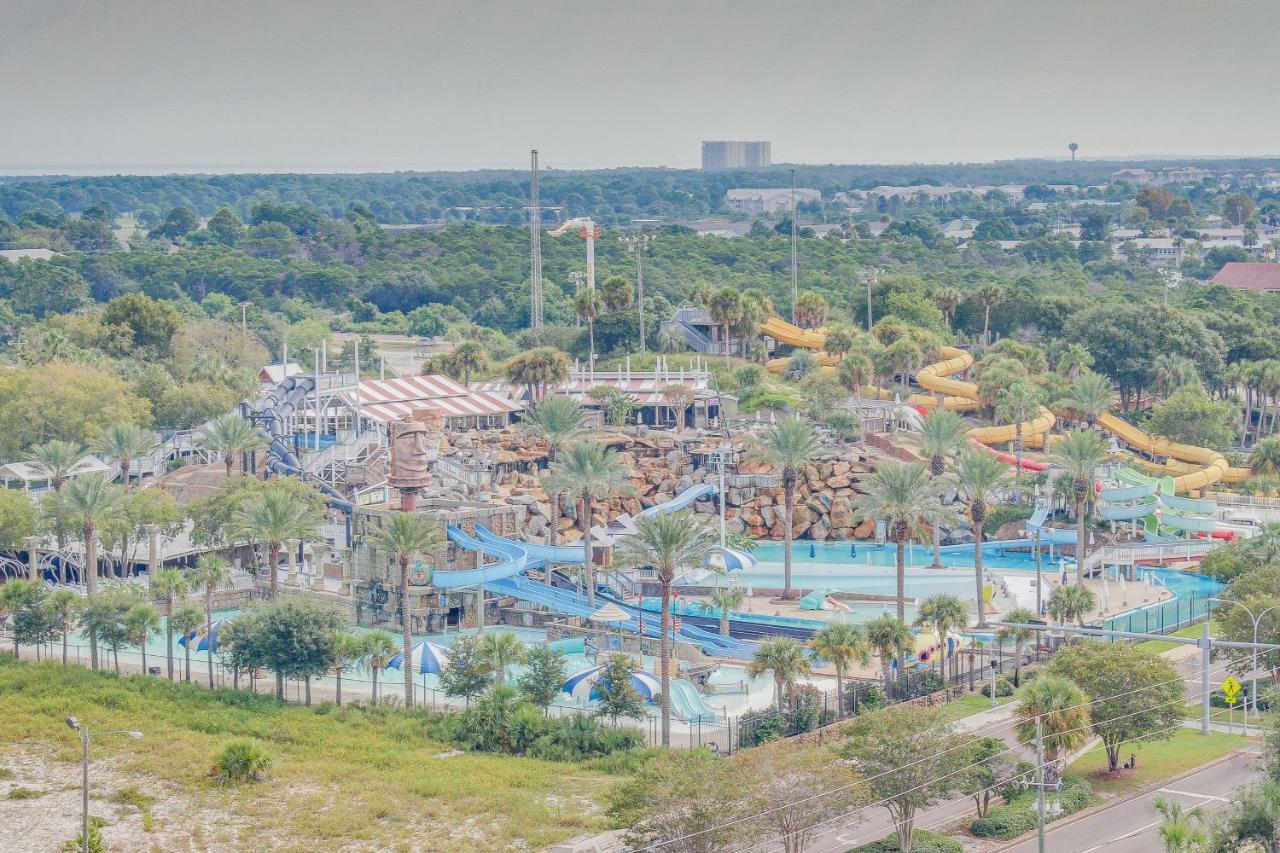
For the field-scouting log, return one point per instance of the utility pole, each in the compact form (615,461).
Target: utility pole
(870,276)
(636,244)
(535,246)
(1040,783)
(795,269)
(1039,578)
(244,318)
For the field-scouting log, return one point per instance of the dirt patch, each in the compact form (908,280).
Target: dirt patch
(172,820)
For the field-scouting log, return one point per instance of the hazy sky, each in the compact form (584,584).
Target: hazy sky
(385,84)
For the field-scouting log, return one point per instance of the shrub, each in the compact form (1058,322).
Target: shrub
(870,698)
(1021,780)
(241,761)
(96,844)
(1074,796)
(25,793)
(921,842)
(1004,822)
(1002,515)
(1004,687)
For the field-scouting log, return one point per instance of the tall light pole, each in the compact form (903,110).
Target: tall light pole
(535,246)
(577,277)
(1257,621)
(870,276)
(85,735)
(795,269)
(244,318)
(636,244)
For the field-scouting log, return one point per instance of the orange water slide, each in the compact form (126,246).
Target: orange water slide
(1211,466)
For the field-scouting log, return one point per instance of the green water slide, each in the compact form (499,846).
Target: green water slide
(1140,508)
(1137,478)
(1187,523)
(1190,506)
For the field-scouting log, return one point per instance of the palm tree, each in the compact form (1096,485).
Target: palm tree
(671,340)
(379,649)
(812,310)
(1017,404)
(1018,636)
(942,434)
(839,341)
(617,293)
(979,476)
(558,421)
(64,604)
(1074,359)
(889,638)
(498,651)
(948,299)
(186,621)
(169,584)
(1064,716)
(902,494)
(589,306)
(124,443)
(273,518)
(855,373)
(944,614)
(348,649)
(228,435)
(1090,395)
(989,295)
(788,446)
(1181,829)
(467,359)
(725,599)
(785,659)
(1265,458)
(538,369)
(670,544)
(840,644)
(589,472)
(1171,371)
(725,308)
(1071,602)
(55,459)
(211,572)
(89,501)
(1079,453)
(401,536)
(140,622)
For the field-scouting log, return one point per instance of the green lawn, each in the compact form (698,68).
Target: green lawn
(1157,760)
(1161,646)
(341,777)
(970,705)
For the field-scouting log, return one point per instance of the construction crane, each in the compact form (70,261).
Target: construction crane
(589,231)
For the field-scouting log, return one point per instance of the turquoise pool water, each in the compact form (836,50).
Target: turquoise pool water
(873,571)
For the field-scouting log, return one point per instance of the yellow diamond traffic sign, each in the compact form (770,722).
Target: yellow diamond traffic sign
(1231,687)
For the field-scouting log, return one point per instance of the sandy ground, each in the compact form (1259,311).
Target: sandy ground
(174,821)
(397,349)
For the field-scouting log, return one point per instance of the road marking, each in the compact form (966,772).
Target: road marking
(1105,844)
(1194,794)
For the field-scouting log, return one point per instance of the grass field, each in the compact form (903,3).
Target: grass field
(970,705)
(1157,760)
(1161,646)
(341,779)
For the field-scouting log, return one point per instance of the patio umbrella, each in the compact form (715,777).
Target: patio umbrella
(610,613)
(425,657)
(582,685)
(206,642)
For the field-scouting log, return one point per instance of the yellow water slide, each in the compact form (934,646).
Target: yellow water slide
(1211,466)
(937,378)
(791,335)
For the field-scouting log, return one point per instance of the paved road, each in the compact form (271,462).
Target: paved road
(1130,826)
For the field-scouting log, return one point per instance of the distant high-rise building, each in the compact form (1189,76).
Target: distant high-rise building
(731,154)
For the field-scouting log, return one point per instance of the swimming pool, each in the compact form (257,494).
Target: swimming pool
(873,571)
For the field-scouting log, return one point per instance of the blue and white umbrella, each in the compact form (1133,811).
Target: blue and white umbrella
(732,560)
(426,657)
(205,642)
(582,685)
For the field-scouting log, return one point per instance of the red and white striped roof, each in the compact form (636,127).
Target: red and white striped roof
(396,399)
(647,390)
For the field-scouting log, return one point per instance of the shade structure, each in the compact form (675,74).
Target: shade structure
(425,657)
(610,613)
(731,560)
(203,642)
(582,685)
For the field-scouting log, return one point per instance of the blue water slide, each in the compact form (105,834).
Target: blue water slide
(1048,535)
(688,704)
(511,560)
(539,553)
(680,501)
(281,458)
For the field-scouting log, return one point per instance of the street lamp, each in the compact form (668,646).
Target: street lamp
(74,725)
(636,244)
(1257,620)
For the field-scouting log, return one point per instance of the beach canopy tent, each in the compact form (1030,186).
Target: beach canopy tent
(425,658)
(582,685)
(610,613)
(27,477)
